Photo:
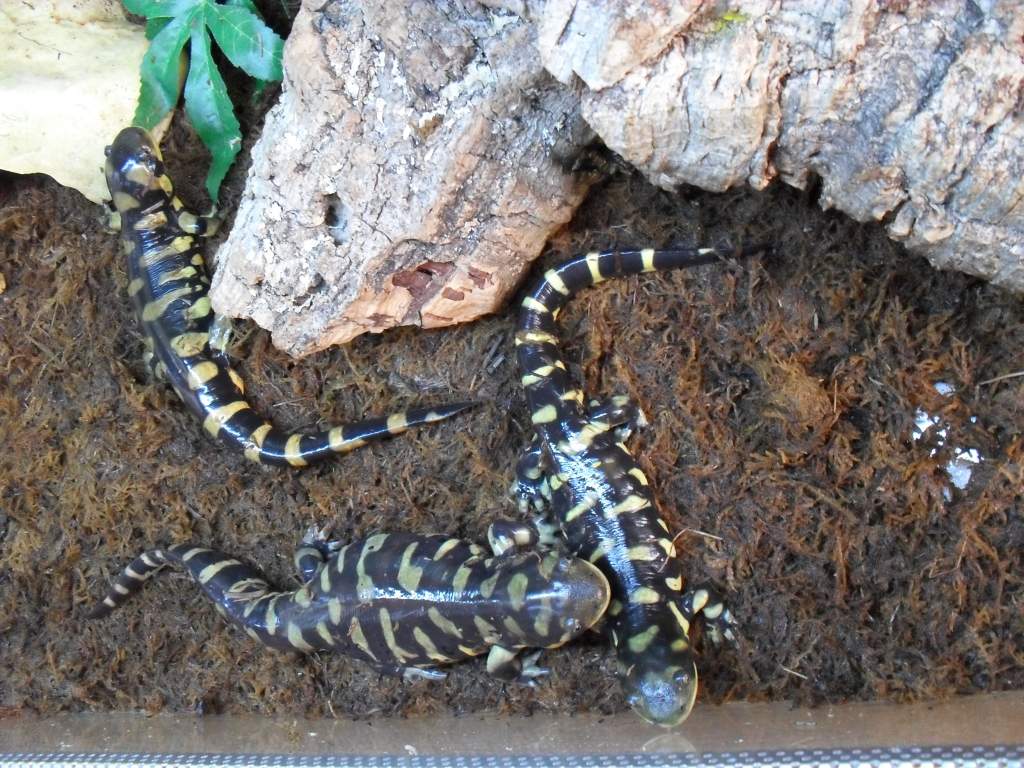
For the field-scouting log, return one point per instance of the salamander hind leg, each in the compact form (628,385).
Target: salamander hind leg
(313,551)
(507,665)
(620,413)
(707,601)
(531,488)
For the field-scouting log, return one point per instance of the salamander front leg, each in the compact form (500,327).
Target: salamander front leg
(200,226)
(506,536)
(507,665)
(707,601)
(313,552)
(220,334)
(409,674)
(620,413)
(531,489)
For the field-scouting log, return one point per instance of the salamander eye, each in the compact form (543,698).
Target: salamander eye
(106,150)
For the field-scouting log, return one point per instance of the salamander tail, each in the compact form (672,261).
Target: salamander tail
(130,581)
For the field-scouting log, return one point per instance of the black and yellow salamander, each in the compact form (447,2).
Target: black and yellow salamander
(579,469)
(186,342)
(403,603)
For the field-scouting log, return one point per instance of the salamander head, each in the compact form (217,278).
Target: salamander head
(661,695)
(135,171)
(555,598)
(656,668)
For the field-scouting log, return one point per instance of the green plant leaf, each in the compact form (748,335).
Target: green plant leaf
(244,4)
(154,26)
(209,109)
(160,9)
(248,43)
(160,74)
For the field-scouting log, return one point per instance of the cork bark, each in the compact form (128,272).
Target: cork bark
(422,153)
(418,159)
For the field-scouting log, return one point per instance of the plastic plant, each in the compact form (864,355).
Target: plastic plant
(244,39)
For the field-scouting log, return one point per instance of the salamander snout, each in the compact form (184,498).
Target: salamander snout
(588,594)
(661,696)
(133,167)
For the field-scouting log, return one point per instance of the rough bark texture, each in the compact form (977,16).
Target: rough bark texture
(909,114)
(418,159)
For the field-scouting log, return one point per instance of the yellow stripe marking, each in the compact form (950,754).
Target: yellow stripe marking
(151,221)
(443,623)
(535,306)
(296,639)
(424,641)
(193,552)
(399,653)
(121,589)
(334,610)
(555,281)
(647,259)
(675,583)
(154,309)
(255,442)
(124,202)
(487,586)
(135,285)
(631,503)
(668,547)
(545,415)
(325,579)
(201,373)
(700,599)
(397,423)
(303,597)
(488,632)
(640,642)
(271,617)
(212,570)
(593,264)
(684,624)
(340,444)
(291,451)
(409,575)
(201,307)
(517,586)
(580,509)
(139,174)
(218,417)
(178,274)
(324,632)
(644,596)
(513,626)
(639,475)
(461,578)
(446,546)
(236,380)
(189,344)
(355,632)
(642,554)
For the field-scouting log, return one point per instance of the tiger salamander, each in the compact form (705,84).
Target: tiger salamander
(579,468)
(186,343)
(403,603)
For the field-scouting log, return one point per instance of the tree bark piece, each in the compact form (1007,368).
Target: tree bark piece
(910,113)
(419,157)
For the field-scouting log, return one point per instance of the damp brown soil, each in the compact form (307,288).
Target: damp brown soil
(782,395)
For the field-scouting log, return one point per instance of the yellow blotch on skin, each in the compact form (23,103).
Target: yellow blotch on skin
(218,417)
